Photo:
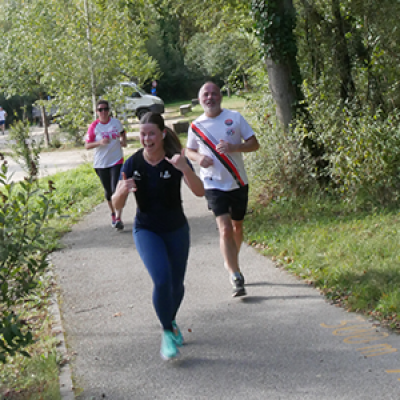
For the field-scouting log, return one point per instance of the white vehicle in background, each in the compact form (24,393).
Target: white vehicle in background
(138,102)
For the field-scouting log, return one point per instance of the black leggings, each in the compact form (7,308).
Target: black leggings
(109,178)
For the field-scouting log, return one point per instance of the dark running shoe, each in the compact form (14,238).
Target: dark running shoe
(241,276)
(238,287)
(119,225)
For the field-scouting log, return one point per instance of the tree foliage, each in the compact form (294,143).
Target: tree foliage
(228,60)
(46,50)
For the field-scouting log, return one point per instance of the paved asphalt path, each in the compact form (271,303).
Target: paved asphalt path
(282,341)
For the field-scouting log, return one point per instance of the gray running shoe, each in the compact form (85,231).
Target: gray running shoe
(238,287)
(241,277)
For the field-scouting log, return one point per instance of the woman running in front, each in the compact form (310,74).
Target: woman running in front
(161,231)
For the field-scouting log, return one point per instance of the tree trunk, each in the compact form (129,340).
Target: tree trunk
(277,22)
(228,88)
(245,83)
(45,126)
(283,93)
(281,63)
(90,59)
(343,62)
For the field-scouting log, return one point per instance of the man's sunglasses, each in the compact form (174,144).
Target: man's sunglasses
(103,109)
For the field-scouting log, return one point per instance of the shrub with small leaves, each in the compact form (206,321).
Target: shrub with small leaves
(24,211)
(362,150)
(282,167)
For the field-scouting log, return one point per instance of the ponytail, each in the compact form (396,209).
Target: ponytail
(172,144)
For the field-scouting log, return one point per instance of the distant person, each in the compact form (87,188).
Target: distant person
(3,116)
(216,142)
(154,88)
(107,136)
(161,231)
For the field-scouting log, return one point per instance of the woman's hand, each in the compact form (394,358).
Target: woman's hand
(104,141)
(126,186)
(179,161)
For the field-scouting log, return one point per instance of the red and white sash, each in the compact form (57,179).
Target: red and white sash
(225,160)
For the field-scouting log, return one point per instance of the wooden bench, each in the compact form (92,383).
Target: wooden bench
(186,108)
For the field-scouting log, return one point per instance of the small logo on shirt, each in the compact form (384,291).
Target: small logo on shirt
(228,122)
(166,175)
(136,176)
(230,132)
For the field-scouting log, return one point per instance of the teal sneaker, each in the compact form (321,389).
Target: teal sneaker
(178,337)
(168,349)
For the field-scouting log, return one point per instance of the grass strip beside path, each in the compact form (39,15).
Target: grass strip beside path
(352,257)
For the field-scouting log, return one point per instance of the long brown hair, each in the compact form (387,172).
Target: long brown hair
(172,144)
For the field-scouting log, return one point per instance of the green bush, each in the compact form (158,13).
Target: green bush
(364,154)
(282,167)
(25,209)
(25,148)
(361,151)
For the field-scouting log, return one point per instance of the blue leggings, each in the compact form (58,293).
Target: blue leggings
(165,256)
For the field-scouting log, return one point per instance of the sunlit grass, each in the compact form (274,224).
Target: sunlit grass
(351,256)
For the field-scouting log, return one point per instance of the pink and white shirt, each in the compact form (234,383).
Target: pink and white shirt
(111,154)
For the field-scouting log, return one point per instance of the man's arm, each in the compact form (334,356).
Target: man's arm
(193,155)
(202,160)
(251,144)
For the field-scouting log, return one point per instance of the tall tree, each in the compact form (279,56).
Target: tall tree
(46,49)
(275,23)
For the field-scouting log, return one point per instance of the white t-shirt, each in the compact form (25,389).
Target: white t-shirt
(229,126)
(2,115)
(111,154)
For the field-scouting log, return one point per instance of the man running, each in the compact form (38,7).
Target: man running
(216,141)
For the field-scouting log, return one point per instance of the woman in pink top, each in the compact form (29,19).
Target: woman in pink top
(107,136)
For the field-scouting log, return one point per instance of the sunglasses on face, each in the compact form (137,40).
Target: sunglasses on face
(103,109)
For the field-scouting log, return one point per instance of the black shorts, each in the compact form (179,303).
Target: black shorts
(109,178)
(233,202)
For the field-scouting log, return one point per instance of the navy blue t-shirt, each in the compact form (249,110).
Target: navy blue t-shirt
(157,217)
